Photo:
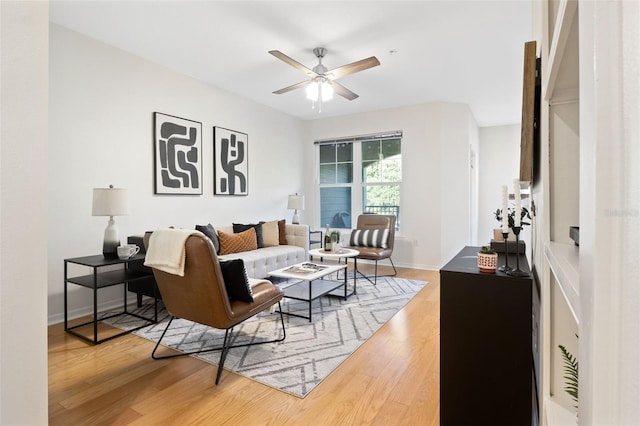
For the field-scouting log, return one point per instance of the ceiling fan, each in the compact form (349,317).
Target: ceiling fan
(324,79)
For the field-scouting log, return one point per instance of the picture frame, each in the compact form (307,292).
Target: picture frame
(230,159)
(530,123)
(177,155)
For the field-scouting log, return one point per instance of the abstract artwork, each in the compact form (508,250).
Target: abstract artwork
(178,155)
(230,162)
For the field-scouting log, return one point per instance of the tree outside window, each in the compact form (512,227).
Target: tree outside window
(375,190)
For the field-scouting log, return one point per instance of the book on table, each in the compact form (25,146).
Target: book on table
(305,268)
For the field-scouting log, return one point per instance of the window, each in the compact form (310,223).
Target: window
(359,175)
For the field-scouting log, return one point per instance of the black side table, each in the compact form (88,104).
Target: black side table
(97,280)
(313,240)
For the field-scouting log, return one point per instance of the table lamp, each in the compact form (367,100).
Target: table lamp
(110,202)
(296,202)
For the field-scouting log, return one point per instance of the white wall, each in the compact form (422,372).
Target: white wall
(435,194)
(101,132)
(23,206)
(499,163)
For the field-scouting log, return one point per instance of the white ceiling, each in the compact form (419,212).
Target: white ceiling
(454,51)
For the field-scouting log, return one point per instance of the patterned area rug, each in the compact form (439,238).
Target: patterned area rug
(311,351)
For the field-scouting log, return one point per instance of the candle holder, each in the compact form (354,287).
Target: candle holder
(517,272)
(505,268)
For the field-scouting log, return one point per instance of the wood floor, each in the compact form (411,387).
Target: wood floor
(393,378)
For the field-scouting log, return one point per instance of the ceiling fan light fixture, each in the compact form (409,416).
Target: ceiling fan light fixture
(313,91)
(327,91)
(319,89)
(322,85)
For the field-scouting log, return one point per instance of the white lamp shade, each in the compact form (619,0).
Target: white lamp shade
(110,202)
(296,202)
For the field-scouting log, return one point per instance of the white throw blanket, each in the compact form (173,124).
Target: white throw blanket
(166,250)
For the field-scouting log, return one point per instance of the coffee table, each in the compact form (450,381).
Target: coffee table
(342,253)
(313,282)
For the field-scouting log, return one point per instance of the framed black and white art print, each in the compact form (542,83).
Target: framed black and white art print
(230,162)
(178,155)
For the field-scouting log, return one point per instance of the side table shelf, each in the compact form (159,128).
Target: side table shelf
(98,280)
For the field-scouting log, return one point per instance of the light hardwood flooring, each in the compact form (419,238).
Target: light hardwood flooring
(392,379)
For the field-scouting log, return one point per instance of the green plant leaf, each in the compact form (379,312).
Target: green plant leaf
(571,373)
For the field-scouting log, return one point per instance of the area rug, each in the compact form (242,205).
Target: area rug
(311,351)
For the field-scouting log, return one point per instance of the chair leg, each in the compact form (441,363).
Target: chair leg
(225,346)
(153,354)
(227,338)
(375,273)
(394,269)
(223,354)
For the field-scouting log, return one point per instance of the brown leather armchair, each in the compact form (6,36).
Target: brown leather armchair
(200,296)
(377,221)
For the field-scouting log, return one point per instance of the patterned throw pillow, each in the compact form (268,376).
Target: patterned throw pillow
(369,238)
(236,281)
(240,227)
(236,243)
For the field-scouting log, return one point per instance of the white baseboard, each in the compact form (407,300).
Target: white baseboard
(110,305)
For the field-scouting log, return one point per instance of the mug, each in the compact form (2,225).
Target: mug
(127,251)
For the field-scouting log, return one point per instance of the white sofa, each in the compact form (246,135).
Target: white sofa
(257,262)
(260,261)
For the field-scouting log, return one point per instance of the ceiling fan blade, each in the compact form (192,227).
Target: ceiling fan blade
(353,68)
(292,87)
(339,89)
(292,62)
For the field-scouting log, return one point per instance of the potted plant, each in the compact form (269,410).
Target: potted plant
(570,373)
(487,260)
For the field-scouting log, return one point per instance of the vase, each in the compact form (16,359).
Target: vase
(488,262)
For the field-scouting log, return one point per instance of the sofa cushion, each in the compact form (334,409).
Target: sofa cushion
(236,281)
(270,233)
(258,263)
(240,227)
(369,237)
(210,232)
(237,242)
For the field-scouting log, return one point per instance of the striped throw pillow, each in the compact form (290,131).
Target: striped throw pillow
(369,238)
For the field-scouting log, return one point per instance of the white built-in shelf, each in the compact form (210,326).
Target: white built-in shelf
(566,12)
(564,261)
(557,415)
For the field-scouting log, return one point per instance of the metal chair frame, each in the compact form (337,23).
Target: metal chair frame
(225,345)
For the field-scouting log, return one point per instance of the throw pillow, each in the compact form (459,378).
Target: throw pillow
(369,237)
(282,231)
(210,232)
(236,281)
(236,243)
(239,227)
(270,233)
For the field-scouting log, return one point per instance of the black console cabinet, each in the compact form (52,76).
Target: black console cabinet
(486,363)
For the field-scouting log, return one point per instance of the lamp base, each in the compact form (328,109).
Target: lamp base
(110,250)
(295,219)
(111,240)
